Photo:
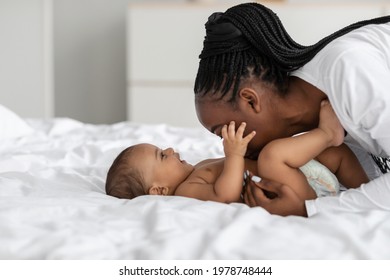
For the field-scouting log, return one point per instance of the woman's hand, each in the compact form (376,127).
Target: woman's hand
(274,197)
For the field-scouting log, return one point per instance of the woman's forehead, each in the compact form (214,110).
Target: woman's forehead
(215,113)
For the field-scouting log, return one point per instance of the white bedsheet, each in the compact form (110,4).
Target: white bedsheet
(53,206)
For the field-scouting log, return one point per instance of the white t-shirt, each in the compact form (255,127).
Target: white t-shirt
(354,72)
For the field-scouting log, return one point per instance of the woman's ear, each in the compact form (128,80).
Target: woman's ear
(250,99)
(156,189)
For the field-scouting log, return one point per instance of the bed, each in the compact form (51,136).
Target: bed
(53,204)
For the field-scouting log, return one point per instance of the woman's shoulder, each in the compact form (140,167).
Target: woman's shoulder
(367,39)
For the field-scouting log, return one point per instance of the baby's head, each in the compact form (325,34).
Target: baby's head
(124,179)
(146,169)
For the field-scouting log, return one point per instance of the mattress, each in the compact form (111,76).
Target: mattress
(53,205)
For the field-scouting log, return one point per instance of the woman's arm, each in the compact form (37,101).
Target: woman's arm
(344,164)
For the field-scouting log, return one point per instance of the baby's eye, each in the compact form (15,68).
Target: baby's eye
(162,155)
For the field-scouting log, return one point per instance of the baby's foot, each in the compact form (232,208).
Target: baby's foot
(330,124)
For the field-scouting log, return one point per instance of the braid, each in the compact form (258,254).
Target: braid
(271,38)
(264,49)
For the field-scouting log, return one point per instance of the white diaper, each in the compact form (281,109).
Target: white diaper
(321,179)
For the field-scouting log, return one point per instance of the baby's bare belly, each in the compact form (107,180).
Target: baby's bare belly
(210,170)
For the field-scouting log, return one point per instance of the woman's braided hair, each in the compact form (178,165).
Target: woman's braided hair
(249,39)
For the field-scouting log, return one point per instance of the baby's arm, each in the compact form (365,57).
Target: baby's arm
(228,185)
(280,159)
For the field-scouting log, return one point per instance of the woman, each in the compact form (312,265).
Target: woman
(252,71)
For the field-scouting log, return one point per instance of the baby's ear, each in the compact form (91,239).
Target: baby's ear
(158,190)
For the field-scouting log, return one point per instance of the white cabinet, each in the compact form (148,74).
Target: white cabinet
(26,78)
(164,42)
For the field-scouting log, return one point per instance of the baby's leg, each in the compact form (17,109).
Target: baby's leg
(281,159)
(298,150)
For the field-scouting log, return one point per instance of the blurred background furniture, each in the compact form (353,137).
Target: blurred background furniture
(164,42)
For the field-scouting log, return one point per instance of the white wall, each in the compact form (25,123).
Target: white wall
(89,38)
(90,69)
(64,58)
(163,58)
(90,59)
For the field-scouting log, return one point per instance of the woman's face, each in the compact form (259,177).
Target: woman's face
(214,114)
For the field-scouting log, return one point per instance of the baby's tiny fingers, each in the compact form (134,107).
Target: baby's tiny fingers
(224,132)
(241,129)
(250,136)
(232,129)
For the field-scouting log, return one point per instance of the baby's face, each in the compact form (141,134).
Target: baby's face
(162,166)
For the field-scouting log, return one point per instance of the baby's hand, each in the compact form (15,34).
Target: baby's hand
(233,142)
(330,124)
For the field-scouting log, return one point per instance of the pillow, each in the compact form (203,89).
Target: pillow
(11,125)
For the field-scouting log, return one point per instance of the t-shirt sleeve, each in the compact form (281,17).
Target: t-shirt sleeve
(360,85)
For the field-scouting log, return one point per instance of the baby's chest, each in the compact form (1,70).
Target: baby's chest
(209,173)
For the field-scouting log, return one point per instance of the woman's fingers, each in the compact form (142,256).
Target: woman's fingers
(271,189)
(254,195)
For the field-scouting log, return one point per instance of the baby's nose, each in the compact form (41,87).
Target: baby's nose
(169,151)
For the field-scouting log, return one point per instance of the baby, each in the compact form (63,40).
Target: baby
(146,169)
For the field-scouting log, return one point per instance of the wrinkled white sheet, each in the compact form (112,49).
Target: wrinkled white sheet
(53,206)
